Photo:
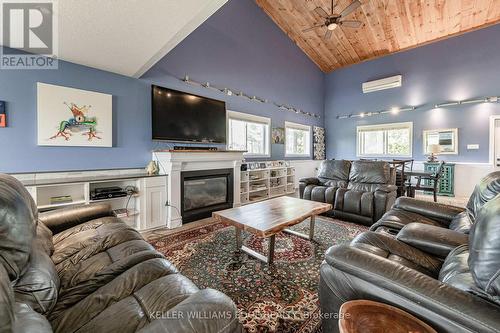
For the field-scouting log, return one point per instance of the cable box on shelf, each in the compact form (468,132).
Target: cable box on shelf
(108,193)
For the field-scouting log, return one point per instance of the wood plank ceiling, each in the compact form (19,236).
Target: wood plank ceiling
(388,26)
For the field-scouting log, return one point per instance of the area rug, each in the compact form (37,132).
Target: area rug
(279,298)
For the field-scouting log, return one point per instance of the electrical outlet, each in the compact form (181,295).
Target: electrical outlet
(473,147)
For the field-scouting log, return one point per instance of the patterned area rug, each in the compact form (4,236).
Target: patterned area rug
(279,298)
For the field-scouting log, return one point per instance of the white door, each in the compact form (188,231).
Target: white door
(153,203)
(155,207)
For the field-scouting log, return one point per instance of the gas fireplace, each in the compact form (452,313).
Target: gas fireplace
(204,192)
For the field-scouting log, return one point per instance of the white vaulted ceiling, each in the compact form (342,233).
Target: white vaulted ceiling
(127,36)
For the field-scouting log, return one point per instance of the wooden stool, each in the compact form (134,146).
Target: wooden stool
(363,316)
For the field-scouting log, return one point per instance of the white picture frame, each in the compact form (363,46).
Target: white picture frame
(73,117)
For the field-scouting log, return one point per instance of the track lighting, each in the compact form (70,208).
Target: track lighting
(231,92)
(393,110)
(397,110)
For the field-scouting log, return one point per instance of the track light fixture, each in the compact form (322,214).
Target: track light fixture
(232,92)
(396,110)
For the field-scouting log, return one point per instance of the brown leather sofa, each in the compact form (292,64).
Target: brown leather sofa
(83,270)
(359,191)
(408,210)
(445,277)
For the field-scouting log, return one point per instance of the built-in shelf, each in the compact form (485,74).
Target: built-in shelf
(75,188)
(257,180)
(258,190)
(60,205)
(278,180)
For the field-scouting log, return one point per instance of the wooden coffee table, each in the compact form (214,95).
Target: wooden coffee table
(267,218)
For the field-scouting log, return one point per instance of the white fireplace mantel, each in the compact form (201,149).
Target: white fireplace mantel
(172,163)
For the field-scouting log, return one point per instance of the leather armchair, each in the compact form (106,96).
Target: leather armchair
(457,294)
(359,191)
(408,210)
(90,272)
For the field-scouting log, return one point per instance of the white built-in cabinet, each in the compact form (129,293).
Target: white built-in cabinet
(267,181)
(147,207)
(154,201)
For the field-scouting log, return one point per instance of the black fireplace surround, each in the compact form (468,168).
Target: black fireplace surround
(204,192)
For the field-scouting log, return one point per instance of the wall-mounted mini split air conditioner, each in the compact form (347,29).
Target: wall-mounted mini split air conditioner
(382,84)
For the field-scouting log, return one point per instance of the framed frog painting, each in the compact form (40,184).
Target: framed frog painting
(73,117)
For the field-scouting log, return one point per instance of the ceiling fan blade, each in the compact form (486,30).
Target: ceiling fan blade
(351,24)
(328,34)
(349,9)
(312,28)
(321,12)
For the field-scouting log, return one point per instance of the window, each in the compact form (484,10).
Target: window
(297,140)
(248,132)
(385,140)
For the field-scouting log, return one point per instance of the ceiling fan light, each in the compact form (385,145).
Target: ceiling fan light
(332,26)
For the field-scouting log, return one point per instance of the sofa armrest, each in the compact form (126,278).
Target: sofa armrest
(309,181)
(304,182)
(351,273)
(431,239)
(436,211)
(61,219)
(388,247)
(387,188)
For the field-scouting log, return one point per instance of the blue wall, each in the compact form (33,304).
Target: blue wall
(239,46)
(458,68)
(131,121)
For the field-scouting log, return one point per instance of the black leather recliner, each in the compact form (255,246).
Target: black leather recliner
(408,210)
(94,274)
(359,191)
(446,278)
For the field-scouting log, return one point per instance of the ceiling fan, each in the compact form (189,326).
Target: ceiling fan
(332,20)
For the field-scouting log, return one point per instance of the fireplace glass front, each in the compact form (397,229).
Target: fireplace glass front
(204,192)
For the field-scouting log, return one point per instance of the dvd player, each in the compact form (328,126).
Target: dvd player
(108,193)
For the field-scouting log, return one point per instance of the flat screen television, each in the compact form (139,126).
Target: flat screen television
(182,117)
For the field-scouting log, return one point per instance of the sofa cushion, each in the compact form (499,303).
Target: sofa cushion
(318,193)
(109,260)
(17,226)
(370,172)
(484,246)
(484,191)
(38,287)
(84,238)
(334,172)
(354,202)
(73,311)
(455,270)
